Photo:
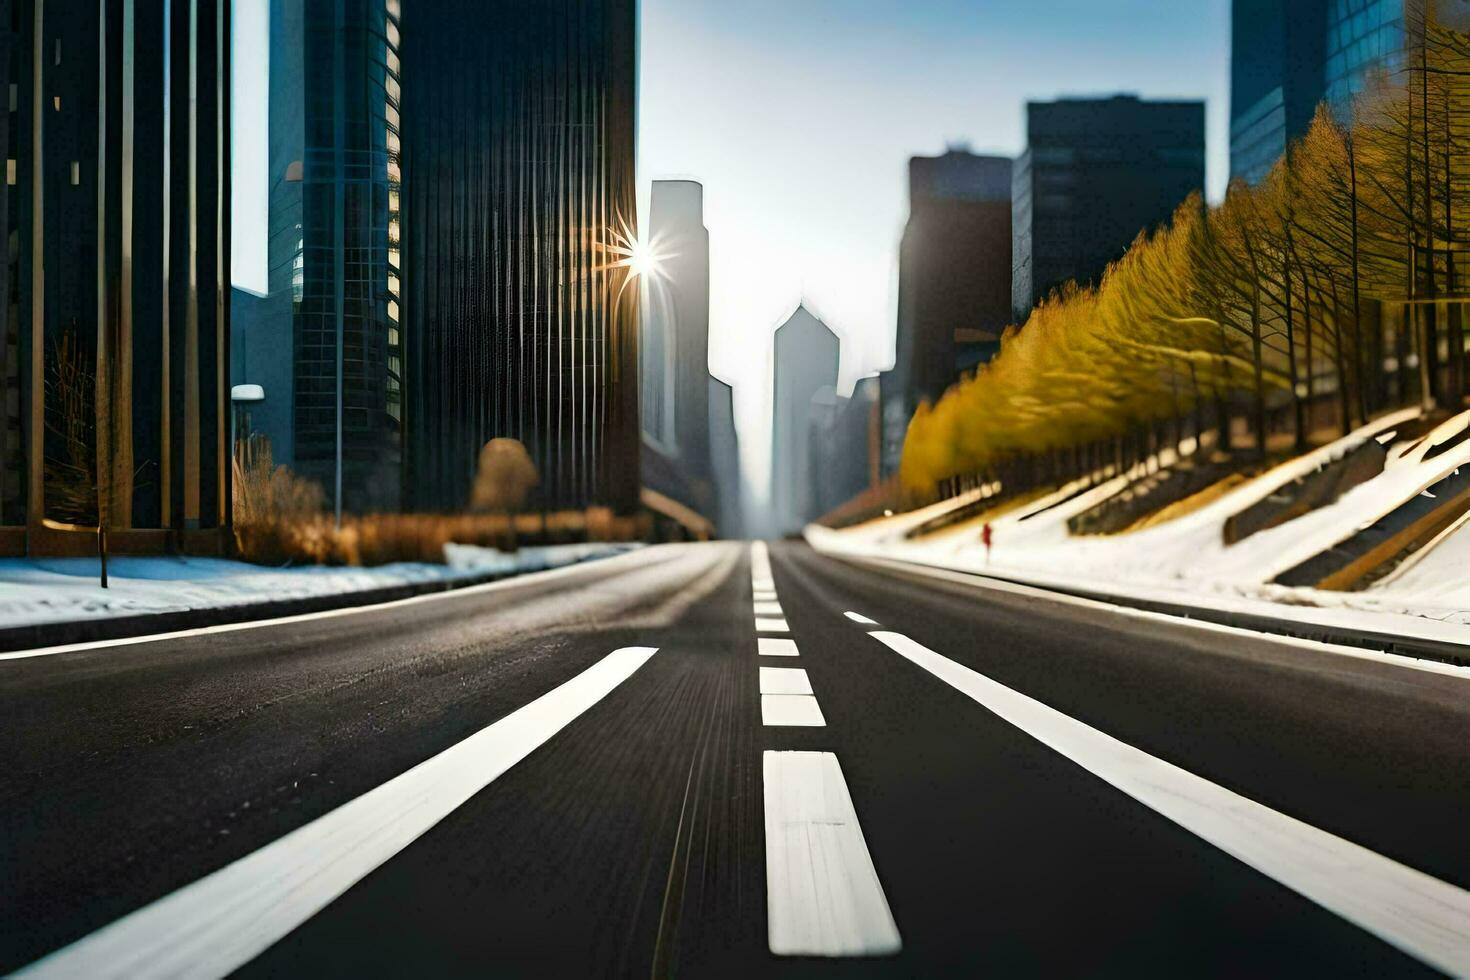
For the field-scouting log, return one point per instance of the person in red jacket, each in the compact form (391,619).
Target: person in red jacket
(985,538)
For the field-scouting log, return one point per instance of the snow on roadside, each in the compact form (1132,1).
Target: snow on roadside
(42,590)
(1186,560)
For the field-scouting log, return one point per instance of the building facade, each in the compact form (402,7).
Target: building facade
(724,442)
(518,190)
(954,278)
(674,353)
(333,409)
(1277,78)
(1096,173)
(807,355)
(114,337)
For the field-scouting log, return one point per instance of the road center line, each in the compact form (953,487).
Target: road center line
(791,711)
(1421,915)
(227,918)
(785,680)
(775,646)
(771,625)
(860,618)
(823,896)
(770,608)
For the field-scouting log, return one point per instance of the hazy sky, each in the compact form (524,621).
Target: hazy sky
(799,117)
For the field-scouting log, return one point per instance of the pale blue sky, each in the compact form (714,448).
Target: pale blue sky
(799,116)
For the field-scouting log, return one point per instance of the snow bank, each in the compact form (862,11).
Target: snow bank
(54,590)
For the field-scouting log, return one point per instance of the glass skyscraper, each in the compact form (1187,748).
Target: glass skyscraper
(1363,36)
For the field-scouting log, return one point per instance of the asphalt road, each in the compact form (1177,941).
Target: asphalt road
(630,838)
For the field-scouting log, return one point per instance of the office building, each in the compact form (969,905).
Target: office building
(954,277)
(114,339)
(1277,78)
(675,376)
(518,189)
(333,407)
(724,444)
(844,440)
(1096,173)
(807,355)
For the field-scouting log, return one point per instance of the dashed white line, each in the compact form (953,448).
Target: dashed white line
(860,618)
(227,918)
(765,595)
(784,680)
(768,609)
(775,646)
(1421,915)
(791,711)
(823,896)
(762,584)
(763,625)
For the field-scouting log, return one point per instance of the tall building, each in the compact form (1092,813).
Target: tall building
(724,444)
(333,407)
(1277,78)
(807,354)
(114,337)
(518,189)
(844,440)
(675,374)
(1362,37)
(954,277)
(1095,173)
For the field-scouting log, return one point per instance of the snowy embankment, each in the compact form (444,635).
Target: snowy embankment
(1186,560)
(39,590)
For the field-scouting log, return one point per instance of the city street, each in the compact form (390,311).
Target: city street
(697,760)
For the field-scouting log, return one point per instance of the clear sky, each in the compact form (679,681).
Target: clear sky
(799,117)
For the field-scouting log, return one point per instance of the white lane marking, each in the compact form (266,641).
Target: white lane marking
(771,626)
(763,584)
(768,609)
(999,585)
(225,919)
(1421,915)
(765,595)
(518,581)
(791,711)
(823,896)
(784,680)
(860,618)
(775,646)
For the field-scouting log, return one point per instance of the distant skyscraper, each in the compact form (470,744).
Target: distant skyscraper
(1363,36)
(331,318)
(114,338)
(807,354)
(675,352)
(1095,173)
(954,277)
(518,140)
(725,459)
(844,444)
(1277,79)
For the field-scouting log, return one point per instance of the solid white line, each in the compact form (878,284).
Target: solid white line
(784,680)
(765,595)
(791,711)
(1037,592)
(225,919)
(771,626)
(518,581)
(768,609)
(775,646)
(860,618)
(763,584)
(1421,915)
(823,896)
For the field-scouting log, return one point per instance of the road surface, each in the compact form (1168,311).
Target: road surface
(698,760)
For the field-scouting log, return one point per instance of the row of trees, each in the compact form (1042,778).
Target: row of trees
(1334,288)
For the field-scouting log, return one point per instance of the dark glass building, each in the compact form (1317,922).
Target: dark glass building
(954,278)
(1095,173)
(333,408)
(1277,65)
(518,181)
(114,337)
(1363,36)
